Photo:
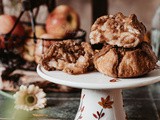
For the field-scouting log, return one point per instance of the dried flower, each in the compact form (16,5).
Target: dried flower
(30,98)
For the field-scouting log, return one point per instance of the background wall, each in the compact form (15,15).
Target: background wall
(144,9)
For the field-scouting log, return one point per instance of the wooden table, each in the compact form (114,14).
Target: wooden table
(141,104)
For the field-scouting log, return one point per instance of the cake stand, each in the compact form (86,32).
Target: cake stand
(101,97)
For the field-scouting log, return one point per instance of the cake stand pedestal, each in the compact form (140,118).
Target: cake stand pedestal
(101,97)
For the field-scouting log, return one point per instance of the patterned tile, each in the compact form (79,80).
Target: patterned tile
(6,108)
(140,104)
(136,93)
(64,95)
(157,103)
(155,90)
(140,109)
(61,109)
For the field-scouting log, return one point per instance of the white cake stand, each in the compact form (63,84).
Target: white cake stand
(101,97)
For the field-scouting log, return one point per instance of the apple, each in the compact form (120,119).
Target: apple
(42,46)
(62,22)
(29,45)
(6,24)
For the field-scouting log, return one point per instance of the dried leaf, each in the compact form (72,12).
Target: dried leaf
(113,80)
(102,115)
(82,109)
(80,117)
(100,103)
(108,98)
(83,96)
(102,99)
(95,115)
(98,114)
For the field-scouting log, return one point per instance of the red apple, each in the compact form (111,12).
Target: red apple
(62,22)
(42,46)
(6,24)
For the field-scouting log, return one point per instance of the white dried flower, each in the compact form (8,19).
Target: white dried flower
(30,98)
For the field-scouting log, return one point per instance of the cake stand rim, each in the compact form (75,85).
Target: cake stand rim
(82,85)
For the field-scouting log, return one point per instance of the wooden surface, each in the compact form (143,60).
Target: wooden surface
(140,104)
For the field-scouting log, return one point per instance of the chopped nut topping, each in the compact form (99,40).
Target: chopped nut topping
(120,30)
(70,56)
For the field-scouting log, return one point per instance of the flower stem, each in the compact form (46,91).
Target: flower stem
(6,94)
(100,114)
(101,111)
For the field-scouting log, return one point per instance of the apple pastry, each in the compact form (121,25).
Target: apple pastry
(73,57)
(125,52)
(131,62)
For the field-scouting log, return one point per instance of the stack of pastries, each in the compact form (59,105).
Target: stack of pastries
(125,52)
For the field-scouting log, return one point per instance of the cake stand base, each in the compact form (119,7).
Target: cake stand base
(101,105)
(101,97)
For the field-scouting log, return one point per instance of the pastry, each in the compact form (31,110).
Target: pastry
(119,62)
(126,52)
(73,57)
(120,30)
